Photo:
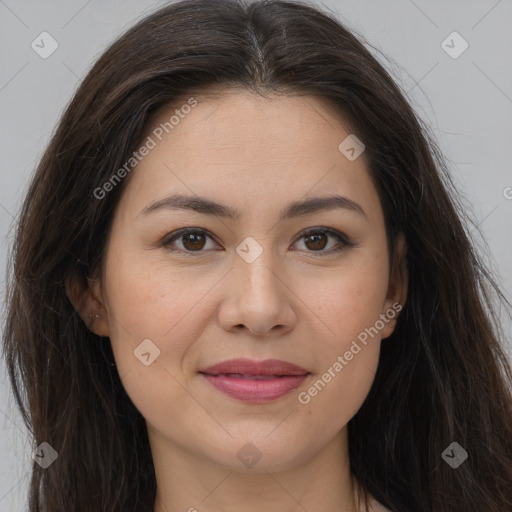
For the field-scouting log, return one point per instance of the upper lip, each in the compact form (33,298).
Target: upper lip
(251,367)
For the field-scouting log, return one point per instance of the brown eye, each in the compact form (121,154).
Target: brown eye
(193,241)
(188,241)
(316,241)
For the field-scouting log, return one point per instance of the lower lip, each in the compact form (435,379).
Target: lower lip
(255,391)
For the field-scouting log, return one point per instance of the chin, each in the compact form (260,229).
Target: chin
(256,454)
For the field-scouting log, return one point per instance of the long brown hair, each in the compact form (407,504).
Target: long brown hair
(443,376)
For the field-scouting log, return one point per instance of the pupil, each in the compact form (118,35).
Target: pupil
(193,238)
(316,242)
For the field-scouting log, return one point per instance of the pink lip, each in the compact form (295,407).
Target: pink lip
(272,378)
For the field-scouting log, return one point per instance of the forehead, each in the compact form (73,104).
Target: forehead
(237,145)
(222,119)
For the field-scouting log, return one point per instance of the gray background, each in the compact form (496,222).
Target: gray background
(466,100)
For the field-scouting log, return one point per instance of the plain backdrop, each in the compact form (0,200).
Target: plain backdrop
(464,94)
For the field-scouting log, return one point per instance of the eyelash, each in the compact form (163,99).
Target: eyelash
(340,237)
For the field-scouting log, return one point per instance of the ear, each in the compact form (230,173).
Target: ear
(85,295)
(397,288)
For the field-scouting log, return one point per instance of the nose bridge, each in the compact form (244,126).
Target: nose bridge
(259,300)
(257,264)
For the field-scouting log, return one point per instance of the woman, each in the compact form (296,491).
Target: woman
(241,281)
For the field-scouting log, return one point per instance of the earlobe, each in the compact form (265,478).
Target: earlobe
(84,294)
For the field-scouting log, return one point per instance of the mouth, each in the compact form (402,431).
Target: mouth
(247,376)
(255,381)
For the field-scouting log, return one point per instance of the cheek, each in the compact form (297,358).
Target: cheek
(149,300)
(349,348)
(346,301)
(164,307)
(348,308)
(150,295)
(334,396)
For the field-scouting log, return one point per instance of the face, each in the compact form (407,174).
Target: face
(255,279)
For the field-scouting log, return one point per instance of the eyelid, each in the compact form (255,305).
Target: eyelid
(166,242)
(323,229)
(341,237)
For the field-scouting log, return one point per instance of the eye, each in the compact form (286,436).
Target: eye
(194,240)
(316,240)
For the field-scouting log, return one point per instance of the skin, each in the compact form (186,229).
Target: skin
(257,155)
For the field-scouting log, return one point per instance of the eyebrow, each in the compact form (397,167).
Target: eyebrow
(295,209)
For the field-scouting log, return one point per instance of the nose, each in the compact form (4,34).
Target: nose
(258,298)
